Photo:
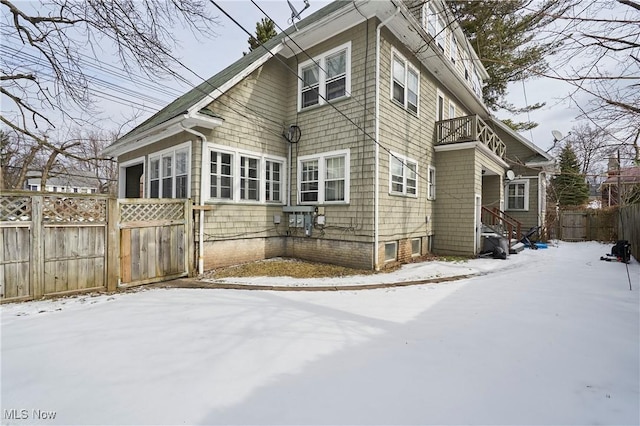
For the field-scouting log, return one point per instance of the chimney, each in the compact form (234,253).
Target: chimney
(613,167)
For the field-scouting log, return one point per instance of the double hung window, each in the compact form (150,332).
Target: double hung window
(431,181)
(325,77)
(405,83)
(403,176)
(324,178)
(518,195)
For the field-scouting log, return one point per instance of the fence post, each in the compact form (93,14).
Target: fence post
(188,233)
(113,244)
(37,247)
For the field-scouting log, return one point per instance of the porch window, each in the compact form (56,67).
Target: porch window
(221,169)
(243,176)
(431,182)
(324,178)
(325,77)
(518,195)
(403,176)
(249,179)
(182,174)
(154,178)
(169,174)
(405,83)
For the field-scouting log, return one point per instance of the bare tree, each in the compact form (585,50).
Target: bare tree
(44,58)
(600,58)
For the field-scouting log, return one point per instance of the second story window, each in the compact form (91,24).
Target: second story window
(405,84)
(325,78)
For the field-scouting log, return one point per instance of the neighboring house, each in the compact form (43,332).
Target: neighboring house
(359,139)
(73,182)
(623,182)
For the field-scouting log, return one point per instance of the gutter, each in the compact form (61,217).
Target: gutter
(376,197)
(203,140)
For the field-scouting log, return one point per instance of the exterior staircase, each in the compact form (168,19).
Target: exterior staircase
(506,229)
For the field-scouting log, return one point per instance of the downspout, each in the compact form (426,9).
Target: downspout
(376,196)
(203,139)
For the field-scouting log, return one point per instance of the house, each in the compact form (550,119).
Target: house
(621,182)
(72,182)
(358,137)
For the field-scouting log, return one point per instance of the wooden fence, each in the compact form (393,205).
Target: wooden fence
(155,240)
(629,227)
(56,244)
(587,225)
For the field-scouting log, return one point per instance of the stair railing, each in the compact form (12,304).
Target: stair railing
(497,218)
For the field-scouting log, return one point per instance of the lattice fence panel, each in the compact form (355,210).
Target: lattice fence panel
(151,212)
(15,208)
(71,209)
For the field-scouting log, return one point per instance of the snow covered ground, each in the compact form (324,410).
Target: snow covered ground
(547,337)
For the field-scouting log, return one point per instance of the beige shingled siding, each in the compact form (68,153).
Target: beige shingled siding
(409,136)
(492,191)
(528,218)
(324,130)
(454,214)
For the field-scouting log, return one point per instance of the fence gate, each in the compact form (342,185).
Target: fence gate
(573,225)
(52,245)
(156,241)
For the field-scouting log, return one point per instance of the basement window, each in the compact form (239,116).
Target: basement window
(390,251)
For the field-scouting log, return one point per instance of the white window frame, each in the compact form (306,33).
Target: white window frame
(320,62)
(439,106)
(236,176)
(408,69)
(167,153)
(453,47)
(405,163)
(452,109)
(525,183)
(322,177)
(431,183)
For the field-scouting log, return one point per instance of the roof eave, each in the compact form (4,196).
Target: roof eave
(162,131)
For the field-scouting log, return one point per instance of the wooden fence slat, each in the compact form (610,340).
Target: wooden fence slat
(125,255)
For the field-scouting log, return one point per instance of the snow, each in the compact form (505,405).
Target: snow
(546,337)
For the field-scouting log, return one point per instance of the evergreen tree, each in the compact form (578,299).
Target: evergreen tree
(502,34)
(570,186)
(265,30)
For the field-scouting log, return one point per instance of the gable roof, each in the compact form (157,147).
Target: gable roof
(215,85)
(540,158)
(629,175)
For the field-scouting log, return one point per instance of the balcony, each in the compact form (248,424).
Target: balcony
(469,129)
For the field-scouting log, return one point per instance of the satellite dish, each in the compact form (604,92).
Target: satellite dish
(556,135)
(510,175)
